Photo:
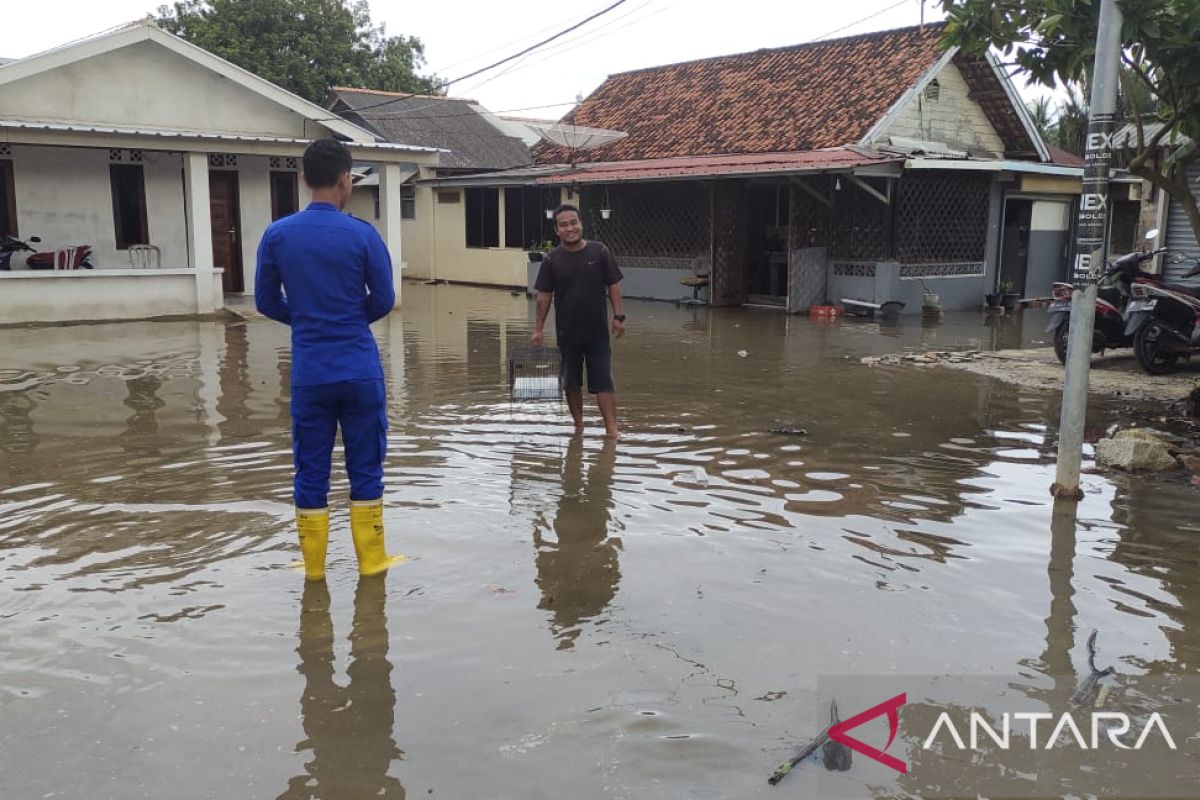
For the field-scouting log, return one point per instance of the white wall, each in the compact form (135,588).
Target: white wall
(64,195)
(147,85)
(954,118)
(27,297)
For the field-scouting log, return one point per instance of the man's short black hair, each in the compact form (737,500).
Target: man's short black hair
(564,208)
(324,162)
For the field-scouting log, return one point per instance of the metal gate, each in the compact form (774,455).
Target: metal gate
(1180,239)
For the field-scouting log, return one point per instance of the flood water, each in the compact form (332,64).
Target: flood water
(576,619)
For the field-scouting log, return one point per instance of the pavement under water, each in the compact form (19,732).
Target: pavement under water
(651,618)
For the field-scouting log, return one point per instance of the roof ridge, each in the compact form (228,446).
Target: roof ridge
(802,46)
(398,95)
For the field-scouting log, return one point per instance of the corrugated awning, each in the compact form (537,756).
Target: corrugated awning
(178,134)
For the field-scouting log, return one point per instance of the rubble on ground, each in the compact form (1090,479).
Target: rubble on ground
(1135,450)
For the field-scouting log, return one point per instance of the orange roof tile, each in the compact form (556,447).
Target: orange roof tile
(805,97)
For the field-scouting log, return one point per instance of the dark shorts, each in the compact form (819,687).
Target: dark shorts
(598,356)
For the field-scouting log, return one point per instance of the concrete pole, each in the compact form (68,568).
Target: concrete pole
(1090,251)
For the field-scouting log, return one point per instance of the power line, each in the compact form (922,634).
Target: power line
(582,39)
(864,19)
(512,43)
(504,60)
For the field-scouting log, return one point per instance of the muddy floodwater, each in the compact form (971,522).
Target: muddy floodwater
(654,619)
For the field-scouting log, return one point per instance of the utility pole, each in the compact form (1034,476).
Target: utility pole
(1090,251)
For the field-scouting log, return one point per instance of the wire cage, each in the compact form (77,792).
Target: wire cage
(535,373)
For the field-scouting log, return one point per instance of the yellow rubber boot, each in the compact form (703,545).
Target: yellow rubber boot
(313,524)
(366,526)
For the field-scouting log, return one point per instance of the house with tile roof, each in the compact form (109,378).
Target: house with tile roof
(875,167)
(166,160)
(461,235)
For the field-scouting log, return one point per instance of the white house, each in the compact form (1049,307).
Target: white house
(136,137)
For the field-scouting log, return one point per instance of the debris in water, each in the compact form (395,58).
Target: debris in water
(743,353)
(834,759)
(1088,686)
(789,431)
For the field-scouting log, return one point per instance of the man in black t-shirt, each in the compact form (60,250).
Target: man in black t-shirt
(576,277)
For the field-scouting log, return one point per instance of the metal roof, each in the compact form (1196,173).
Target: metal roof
(171,133)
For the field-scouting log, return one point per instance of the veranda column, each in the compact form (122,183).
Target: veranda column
(199,230)
(389,217)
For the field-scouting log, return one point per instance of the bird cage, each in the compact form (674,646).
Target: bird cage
(535,373)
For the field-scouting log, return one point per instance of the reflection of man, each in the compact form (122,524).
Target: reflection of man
(579,278)
(578,574)
(349,731)
(337,275)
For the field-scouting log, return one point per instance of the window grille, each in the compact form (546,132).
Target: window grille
(942,218)
(666,223)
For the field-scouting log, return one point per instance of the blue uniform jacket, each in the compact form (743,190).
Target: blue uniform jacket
(329,276)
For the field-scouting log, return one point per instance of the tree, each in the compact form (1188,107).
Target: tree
(1054,43)
(1041,111)
(305,46)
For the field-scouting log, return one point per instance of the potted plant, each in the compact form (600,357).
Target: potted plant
(538,252)
(1008,295)
(992,299)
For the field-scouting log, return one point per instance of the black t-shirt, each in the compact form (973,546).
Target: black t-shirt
(579,281)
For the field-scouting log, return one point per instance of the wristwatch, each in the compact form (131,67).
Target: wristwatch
(619,317)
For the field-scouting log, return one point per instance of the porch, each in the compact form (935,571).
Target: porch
(173,218)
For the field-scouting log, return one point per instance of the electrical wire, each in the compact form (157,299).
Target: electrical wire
(504,60)
(859,22)
(509,44)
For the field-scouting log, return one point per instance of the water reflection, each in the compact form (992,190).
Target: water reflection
(16,424)
(579,570)
(142,425)
(347,729)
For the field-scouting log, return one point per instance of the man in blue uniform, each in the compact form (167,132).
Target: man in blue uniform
(329,276)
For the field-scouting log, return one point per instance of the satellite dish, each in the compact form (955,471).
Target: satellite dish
(575,137)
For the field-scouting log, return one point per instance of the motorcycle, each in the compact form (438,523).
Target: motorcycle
(10,246)
(49,259)
(1164,321)
(1108,330)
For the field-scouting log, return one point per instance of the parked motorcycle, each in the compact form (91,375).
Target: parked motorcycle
(10,246)
(49,259)
(1108,330)
(1164,321)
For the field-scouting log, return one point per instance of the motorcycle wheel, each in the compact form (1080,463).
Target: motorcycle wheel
(1150,356)
(1061,333)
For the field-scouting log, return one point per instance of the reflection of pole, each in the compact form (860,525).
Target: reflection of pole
(1090,250)
(1060,622)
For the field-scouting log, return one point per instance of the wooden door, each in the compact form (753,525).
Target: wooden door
(226,229)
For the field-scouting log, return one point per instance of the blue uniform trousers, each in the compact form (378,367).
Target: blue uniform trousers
(360,409)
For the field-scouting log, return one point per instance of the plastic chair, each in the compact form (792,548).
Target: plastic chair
(64,258)
(142,255)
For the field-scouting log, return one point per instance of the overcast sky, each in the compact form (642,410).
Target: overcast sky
(463,35)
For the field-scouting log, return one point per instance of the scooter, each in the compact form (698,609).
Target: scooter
(1164,321)
(48,259)
(1108,331)
(10,246)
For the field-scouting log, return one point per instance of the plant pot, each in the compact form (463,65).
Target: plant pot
(1009,301)
(992,300)
(605,213)
(536,255)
